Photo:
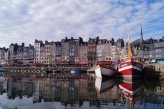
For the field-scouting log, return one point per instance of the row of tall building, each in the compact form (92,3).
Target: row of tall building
(70,51)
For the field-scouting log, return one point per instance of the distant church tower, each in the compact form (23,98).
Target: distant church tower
(141,37)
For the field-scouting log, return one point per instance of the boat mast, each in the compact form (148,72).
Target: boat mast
(129,49)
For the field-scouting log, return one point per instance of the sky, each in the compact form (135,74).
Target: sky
(53,20)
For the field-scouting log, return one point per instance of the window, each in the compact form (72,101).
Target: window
(156,55)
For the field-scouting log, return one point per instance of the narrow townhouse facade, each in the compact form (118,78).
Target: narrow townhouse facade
(92,51)
(100,51)
(19,55)
(108,52)
(2,56)
(65,51)
(72,48)
(83,53)
(77,50)
(42,54)
(30,53)
(12,52)
(114,56)
(58,53)
(50,52)
(120,49)
(7,56)
(37,50)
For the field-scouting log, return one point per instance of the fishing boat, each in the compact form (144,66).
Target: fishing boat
(102,71)
(130,69)
(103,85)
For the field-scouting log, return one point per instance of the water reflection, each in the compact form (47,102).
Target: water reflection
(103,85)
(81,91)
(131,92)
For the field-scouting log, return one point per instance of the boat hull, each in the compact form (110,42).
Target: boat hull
(130,70)
(102,71)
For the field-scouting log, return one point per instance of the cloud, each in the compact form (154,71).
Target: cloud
(26,20)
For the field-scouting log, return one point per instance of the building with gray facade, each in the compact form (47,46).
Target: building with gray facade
(20,54)
(159,51)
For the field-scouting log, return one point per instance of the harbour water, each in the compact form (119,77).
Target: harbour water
(78,92)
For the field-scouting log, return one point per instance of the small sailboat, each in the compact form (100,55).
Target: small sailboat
(101,71)
(130,69)
(103,85)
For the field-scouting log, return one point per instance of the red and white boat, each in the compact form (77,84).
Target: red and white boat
(101,70)
(130,69)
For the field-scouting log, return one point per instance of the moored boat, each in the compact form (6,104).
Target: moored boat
(130,69)
(101,71)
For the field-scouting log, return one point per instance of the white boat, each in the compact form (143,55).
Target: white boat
(103,85)
(101,71)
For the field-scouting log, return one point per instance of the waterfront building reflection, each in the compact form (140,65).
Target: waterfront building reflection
(77,91)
